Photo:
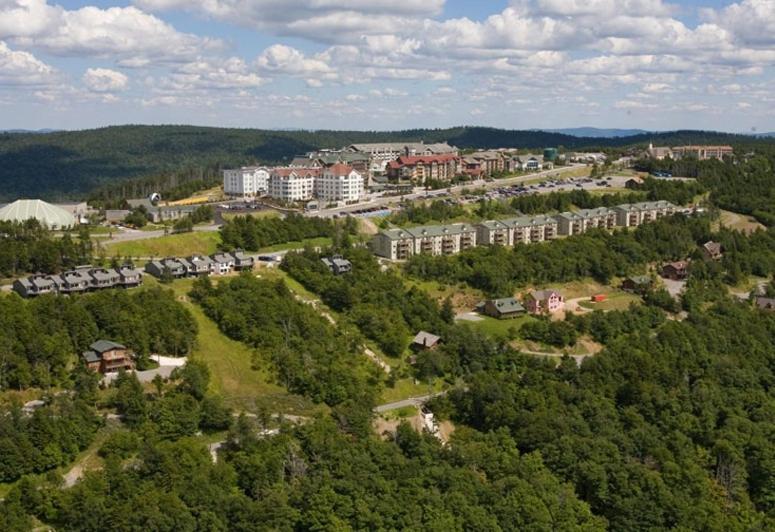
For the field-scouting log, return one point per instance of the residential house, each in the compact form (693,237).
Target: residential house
(105,356)
(634,183)
(222,263)
(423,168)
(35,285)
(73,281)
(712,250)
(246,182)
(425,341)
(197,265)
(337,265)
(102,278)
(635,214)
(293,184)
(507,307)
(129,277)
(242,261)
(765,303)
(170,265)
(531,229)
(339,182)
(544,301)
(638,284)
(676,271)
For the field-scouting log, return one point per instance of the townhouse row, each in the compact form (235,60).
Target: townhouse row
(198,265)
(80,280)
(400,244)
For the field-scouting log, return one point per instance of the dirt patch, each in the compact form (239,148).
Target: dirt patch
(446,428)
(590,346)
(740,222)
(368,226)
(386,426)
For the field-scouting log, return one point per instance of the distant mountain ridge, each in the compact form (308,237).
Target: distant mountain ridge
(596,133)
(74,164)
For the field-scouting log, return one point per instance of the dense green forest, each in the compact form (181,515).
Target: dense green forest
(310,357)
(30,247)
(76,164)
(41,339)
(746,187)
(377,302)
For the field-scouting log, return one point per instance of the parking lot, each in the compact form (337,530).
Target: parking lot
(551,185)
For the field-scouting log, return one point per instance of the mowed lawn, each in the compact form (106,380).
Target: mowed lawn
(614,301)
(180,245)
(495,327)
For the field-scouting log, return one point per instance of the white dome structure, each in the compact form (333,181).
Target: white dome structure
(49,215)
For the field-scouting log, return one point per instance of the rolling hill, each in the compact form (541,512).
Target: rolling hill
(75,164)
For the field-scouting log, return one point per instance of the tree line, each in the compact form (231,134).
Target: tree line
(29,247)
(251,233)
(377,302)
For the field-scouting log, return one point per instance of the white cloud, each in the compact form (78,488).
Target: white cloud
(104,80)
(751,21)
(124,33)
(23,68)
(283,59)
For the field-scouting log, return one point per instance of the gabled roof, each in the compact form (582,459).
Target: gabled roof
(101,346)
(91,356)
(542,295)
(767,303)
(425,339)
(507,305)
(640,279)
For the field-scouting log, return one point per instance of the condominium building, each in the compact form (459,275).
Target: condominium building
(246,182)
(339,182)
(699,152)
(574,223)
(424,168)
(400,244)
(635,214)
(293,184)
(493,232)
(530,229)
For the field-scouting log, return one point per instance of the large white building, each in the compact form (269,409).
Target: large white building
(339,182)
(246,182)
(293,184)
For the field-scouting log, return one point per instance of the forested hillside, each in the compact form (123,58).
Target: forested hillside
(75,164)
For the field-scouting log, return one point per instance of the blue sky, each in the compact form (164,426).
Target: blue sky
(381,64)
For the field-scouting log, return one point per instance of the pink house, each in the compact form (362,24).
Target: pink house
(540,301)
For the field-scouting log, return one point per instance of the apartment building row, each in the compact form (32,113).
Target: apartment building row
(400,244)
(338,182)
(80,280)
(199,265)
(701,153)
(421,169)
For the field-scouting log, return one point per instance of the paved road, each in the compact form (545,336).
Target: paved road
(412,401)
(384,201)
(126,235)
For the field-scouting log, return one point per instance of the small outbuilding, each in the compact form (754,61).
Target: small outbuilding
(425,341)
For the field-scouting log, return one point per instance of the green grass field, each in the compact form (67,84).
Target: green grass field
(614,301)
(180,245)
(495,327)
(233,375)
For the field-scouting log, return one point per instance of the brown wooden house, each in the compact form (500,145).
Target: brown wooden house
(676,271)
(105,356)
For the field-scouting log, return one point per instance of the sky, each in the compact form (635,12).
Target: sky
(388,64)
